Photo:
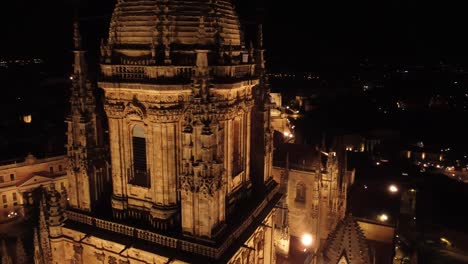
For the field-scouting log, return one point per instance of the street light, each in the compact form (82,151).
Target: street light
(383,218)
(445,241)
(307,240)
(393,188)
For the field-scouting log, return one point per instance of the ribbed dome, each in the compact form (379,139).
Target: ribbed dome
(178,22)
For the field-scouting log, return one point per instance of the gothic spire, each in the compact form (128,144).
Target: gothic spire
(37,249)
(260,37)
(79,67)
(260,59)
(76,35)
(44,231)
(21,257)
(6,259)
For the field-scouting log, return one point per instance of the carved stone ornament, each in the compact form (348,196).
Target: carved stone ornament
(114,109)
(112,260)
(99,256)
(78,249)
(135,110)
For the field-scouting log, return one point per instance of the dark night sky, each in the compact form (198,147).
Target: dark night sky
(303,34)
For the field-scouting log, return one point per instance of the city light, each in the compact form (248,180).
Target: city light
(445,241)
(393,189)
(12,214)
(383,218)
(306,240)
(288,134)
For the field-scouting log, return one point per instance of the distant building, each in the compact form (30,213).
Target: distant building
(18,179)
(315,184)
(279,119)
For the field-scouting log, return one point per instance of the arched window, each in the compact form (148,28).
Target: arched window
(140,175)
(301,192)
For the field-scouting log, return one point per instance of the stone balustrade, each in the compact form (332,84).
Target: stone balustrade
(153,73)
(171,242)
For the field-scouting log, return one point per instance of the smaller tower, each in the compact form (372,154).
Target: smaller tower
(262,132)
(88,168)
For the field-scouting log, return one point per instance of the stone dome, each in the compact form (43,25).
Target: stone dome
(178,23)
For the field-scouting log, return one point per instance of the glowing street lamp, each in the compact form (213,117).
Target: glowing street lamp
(383,218)
(307,240)
(393,188)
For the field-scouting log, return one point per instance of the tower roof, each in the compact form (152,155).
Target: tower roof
(177,22)
(347,242)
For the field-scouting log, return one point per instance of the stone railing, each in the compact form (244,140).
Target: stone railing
(129,72)
(159,73)
(184,245)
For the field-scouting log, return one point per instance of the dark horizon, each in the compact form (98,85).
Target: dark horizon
(297,37)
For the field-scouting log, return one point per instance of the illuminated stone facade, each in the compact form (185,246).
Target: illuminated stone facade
(315,184)
(18,179)
(185,101)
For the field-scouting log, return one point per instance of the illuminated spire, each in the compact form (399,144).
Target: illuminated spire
(260,52)
(37,249)
(76,35)
(21,257)
(79,67)
(260,37)
(6,259)
(44,231)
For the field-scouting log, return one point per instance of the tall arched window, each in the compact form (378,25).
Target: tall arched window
(301,192)
(139,168)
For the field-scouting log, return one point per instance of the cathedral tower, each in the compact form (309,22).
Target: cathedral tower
(181,89)
(185,100)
